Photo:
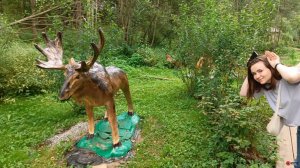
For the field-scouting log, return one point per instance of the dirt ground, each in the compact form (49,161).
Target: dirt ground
(285,147)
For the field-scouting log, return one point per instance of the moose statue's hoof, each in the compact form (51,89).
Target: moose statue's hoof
(120,150)
(117,144)
(130,113)
(90,136)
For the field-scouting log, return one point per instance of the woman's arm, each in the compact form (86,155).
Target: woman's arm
(290,74)
(244,88)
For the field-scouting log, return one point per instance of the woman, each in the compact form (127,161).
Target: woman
(265,73)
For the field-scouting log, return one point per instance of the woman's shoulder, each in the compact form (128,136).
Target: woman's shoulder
(285,82)
(290,87)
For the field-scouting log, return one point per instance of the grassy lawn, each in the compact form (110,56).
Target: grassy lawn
(27,123)
(173,130)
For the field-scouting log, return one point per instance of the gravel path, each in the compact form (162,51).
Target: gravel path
(285,148)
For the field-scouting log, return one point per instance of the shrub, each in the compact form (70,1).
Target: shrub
(136,60)
(225,39)
(147,56)
(18,73)
(239,134)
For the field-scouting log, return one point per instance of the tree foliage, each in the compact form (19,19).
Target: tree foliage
(149,22)
(224,36)
(224,39)
(221,33)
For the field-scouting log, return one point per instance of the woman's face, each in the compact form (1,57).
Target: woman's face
(261,73)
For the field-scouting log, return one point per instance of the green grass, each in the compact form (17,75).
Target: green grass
(291,56)
(172,127)
(27,123)
(174,131)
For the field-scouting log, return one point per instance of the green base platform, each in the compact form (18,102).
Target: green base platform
(101,144)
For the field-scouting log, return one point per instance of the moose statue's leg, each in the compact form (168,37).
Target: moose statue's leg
(91,125)
(112,118)
(105,115)
(127,94)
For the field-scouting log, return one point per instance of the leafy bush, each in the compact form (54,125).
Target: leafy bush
(18,73)
(225,40)
(147,56)
(136,60)
(239,134)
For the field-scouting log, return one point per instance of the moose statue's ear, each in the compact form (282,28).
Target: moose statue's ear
(253,55)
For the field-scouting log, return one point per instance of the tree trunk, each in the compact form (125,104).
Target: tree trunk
(78,14)
(280,23)
(125,11)
(1,6)
(96,12)
(34,20)
(154,24)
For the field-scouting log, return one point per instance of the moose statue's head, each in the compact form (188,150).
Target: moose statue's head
(88,83)
(74,80)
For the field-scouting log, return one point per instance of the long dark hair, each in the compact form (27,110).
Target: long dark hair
(254,86)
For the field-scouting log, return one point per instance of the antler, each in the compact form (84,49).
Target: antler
(53,52)
(97,49)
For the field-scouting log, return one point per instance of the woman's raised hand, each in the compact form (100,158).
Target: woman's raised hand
(272,58)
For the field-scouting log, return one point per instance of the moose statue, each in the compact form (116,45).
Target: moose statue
(88,83)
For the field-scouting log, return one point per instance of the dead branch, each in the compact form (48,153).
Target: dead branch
(155,77)
(31,16)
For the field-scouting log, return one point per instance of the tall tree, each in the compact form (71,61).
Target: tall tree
(33,20)
(78,13)
(1,6)
(125,12)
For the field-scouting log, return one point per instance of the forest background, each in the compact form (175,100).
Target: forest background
(139,34)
